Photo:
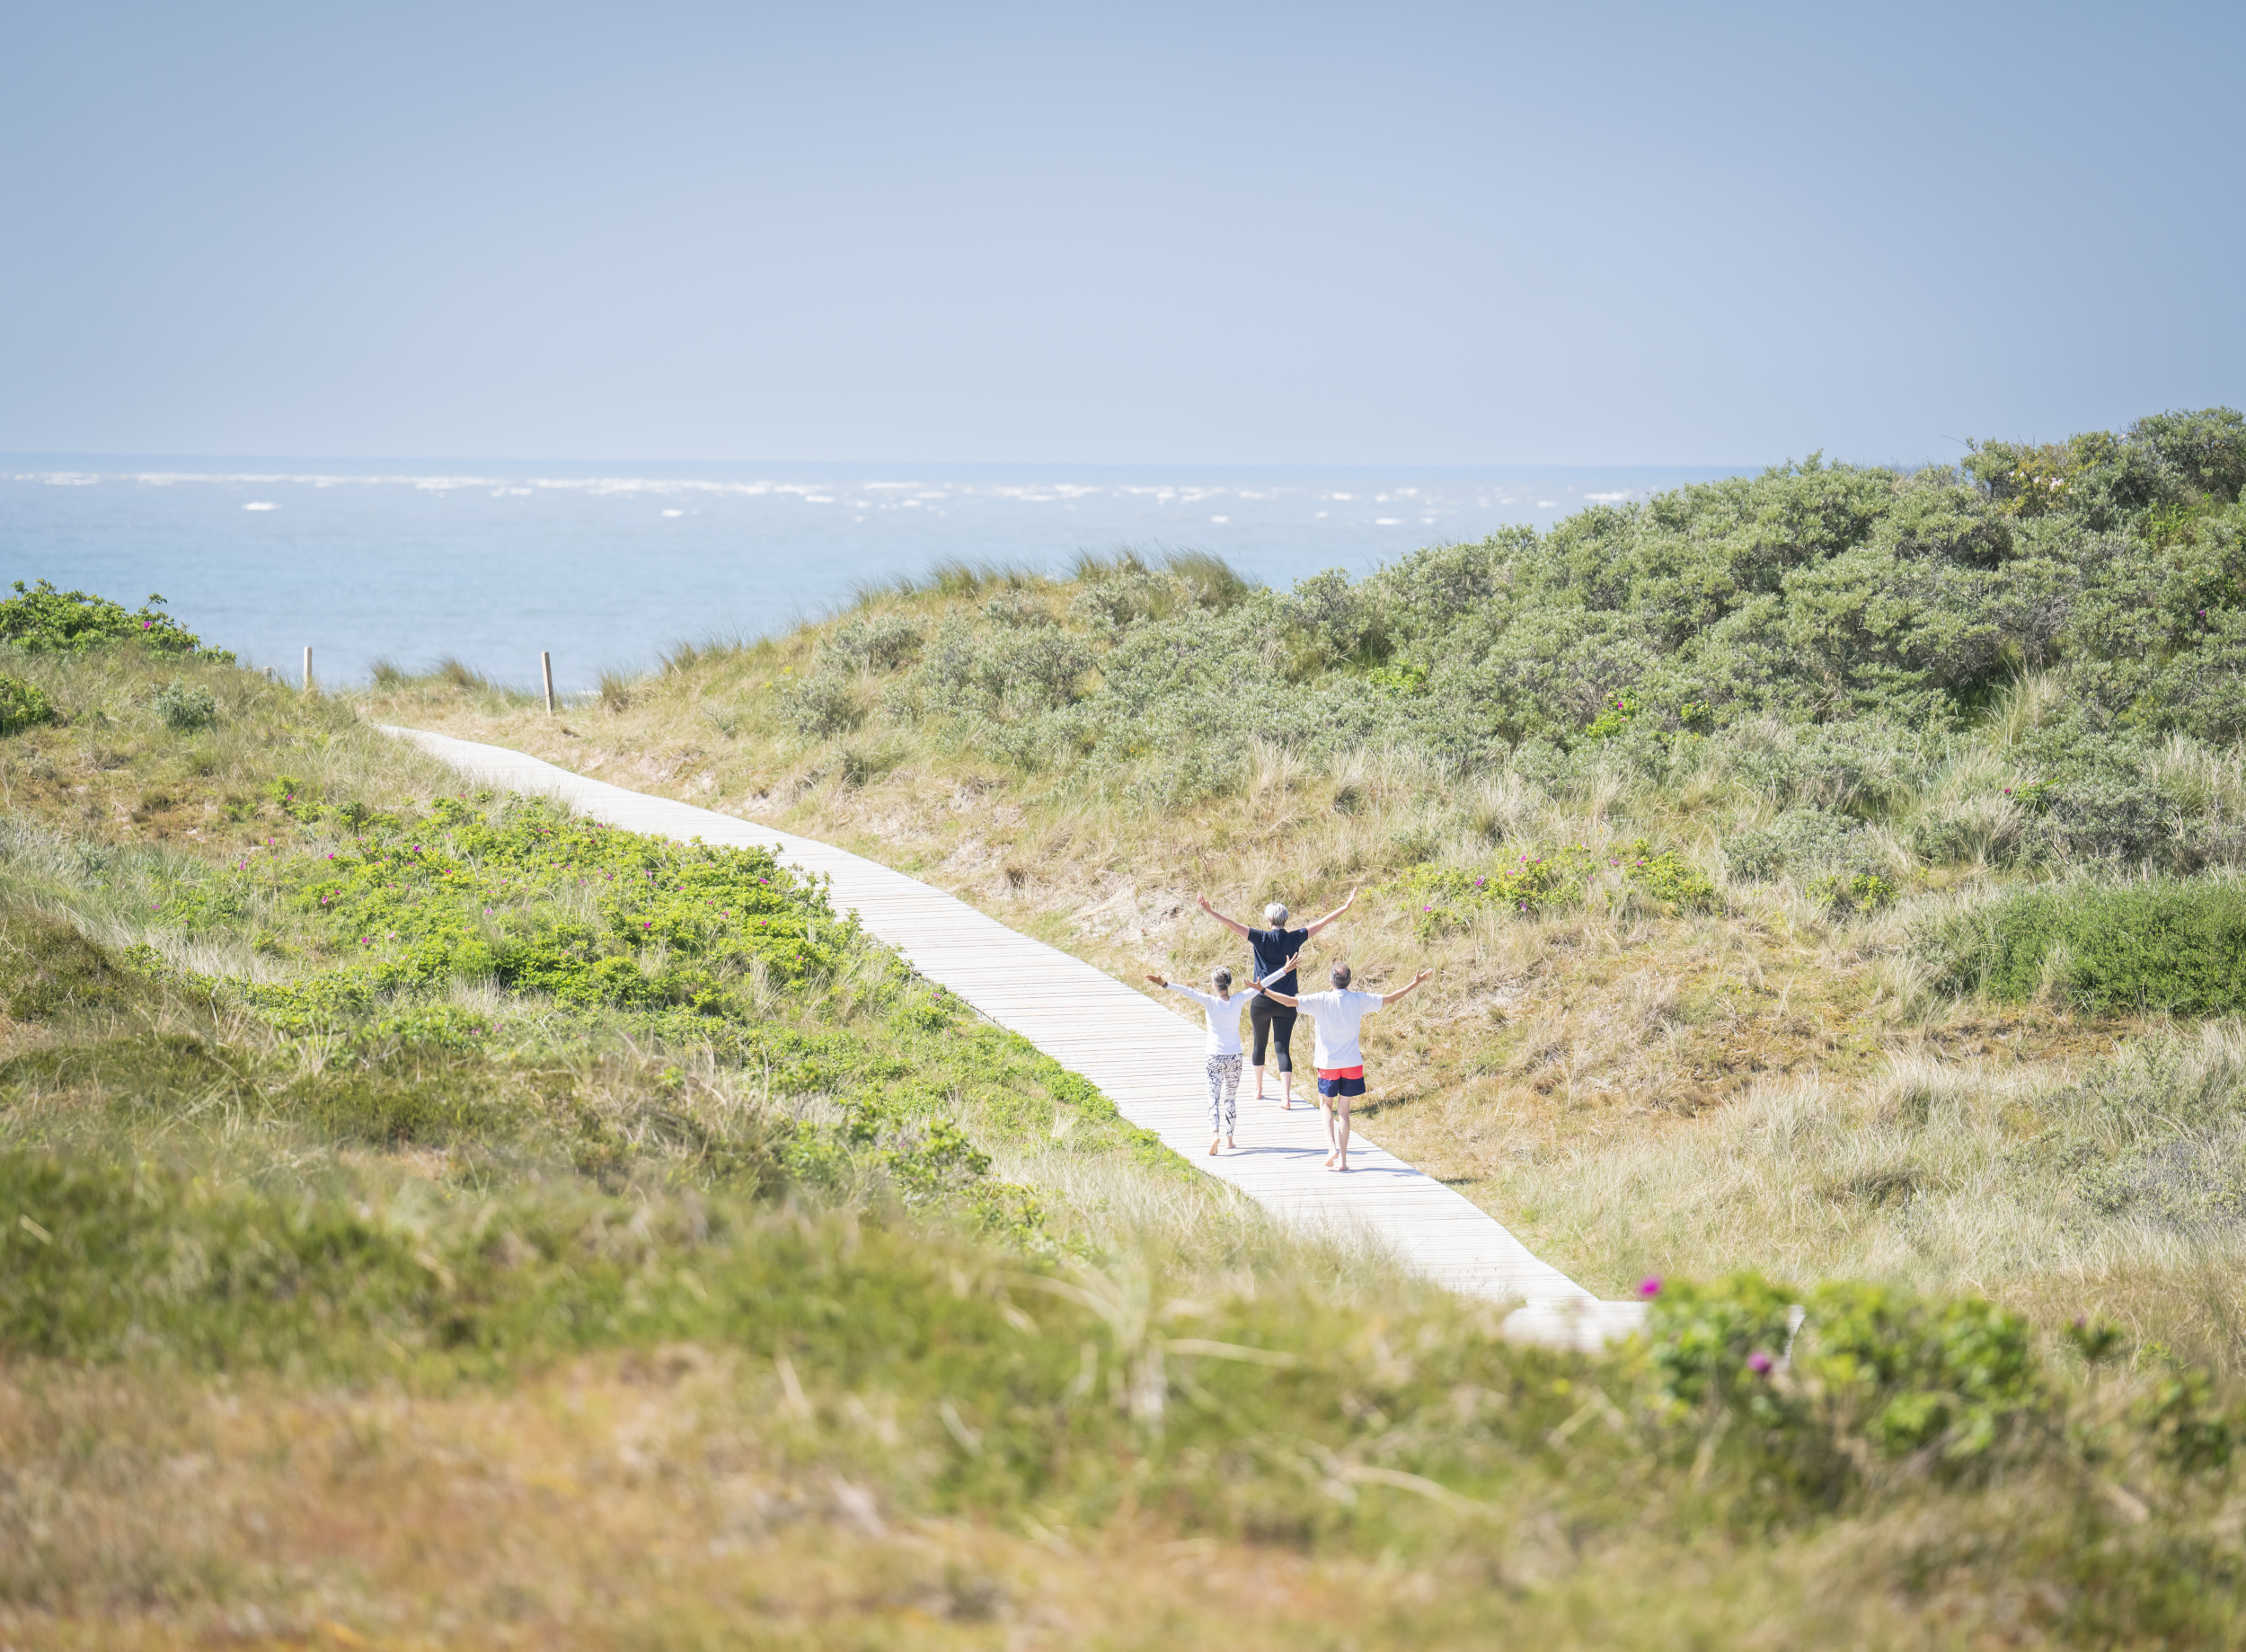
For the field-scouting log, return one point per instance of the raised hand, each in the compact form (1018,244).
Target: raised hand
(1158,980)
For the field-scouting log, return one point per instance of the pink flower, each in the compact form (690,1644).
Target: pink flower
(1760,1363)
(1650,1286)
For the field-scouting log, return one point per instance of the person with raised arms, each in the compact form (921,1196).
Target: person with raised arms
(1341,1063)
(1273,946)
(1223,1050)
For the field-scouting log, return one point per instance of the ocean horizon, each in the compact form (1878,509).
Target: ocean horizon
(606,564)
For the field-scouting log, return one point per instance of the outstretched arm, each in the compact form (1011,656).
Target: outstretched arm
(1318,923)
(1388,998)
(1288,999)
(1239,930)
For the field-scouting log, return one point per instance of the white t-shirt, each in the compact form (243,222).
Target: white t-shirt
(1339,1015)
(1223,1018)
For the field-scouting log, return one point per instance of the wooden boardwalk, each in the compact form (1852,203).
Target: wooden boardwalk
(1143,1055)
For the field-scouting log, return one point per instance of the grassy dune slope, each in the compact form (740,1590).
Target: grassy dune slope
(1687,803)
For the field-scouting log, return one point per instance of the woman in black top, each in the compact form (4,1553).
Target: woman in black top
(1273,945)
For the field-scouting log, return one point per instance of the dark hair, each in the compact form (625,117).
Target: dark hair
(1342,975)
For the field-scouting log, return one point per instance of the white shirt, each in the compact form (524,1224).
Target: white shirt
(1223,1018)
(1339,1015)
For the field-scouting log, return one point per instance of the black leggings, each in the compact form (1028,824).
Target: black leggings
(1275,1021)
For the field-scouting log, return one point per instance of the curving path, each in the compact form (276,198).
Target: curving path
(1143,1057)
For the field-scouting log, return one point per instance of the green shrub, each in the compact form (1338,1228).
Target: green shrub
(2176,945)
(1854,894)
(1907,1375)
(1667,876)
(185,705)
(1447,896)
(23,705)
(42,620)
(818,705)
(1721,1345)
(880,642)
(1853,1366)
(1032,667)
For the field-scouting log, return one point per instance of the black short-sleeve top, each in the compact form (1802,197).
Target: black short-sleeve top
(1272,947)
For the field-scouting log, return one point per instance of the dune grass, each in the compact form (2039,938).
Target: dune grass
(1557,1050)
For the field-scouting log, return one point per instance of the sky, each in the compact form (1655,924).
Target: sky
(1214,232)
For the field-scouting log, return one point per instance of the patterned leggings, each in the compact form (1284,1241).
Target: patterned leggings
(1224,1093)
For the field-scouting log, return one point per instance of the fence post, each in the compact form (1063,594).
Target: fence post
(545,669)
(307,668)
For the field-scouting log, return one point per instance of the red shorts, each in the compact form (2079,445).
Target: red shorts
(1341,1081)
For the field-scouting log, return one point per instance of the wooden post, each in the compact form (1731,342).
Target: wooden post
(307,668)
(546,668)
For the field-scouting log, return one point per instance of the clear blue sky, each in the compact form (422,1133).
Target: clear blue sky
(1221,232)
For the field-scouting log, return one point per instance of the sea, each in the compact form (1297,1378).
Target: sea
(607,566)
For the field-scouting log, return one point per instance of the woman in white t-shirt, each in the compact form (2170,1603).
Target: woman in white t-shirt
(1341,1063)
(1223,1049)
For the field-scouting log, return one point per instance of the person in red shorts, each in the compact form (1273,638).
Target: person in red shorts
(1341,1063)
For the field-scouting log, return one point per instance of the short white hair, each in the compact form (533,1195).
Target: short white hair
(1275,915)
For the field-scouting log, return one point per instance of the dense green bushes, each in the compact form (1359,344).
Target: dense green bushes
(2164,944)
(42,620)
(1819,634)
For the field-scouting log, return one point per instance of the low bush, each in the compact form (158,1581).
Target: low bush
(881,642)
(1852,894)
(2175,945)
(1448,897)
(819,704)
(1806,842)
(23,705)
(42,620)
(183,706)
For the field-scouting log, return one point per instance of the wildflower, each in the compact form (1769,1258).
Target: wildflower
(1760,1363)
(1650,1286)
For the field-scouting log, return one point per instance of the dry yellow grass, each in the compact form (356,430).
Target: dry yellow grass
(659,1501)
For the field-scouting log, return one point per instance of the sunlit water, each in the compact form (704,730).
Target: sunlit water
(607,565)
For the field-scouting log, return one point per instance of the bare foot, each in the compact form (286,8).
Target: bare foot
(1229,1147)
(1212,1150)
(1343,1166)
